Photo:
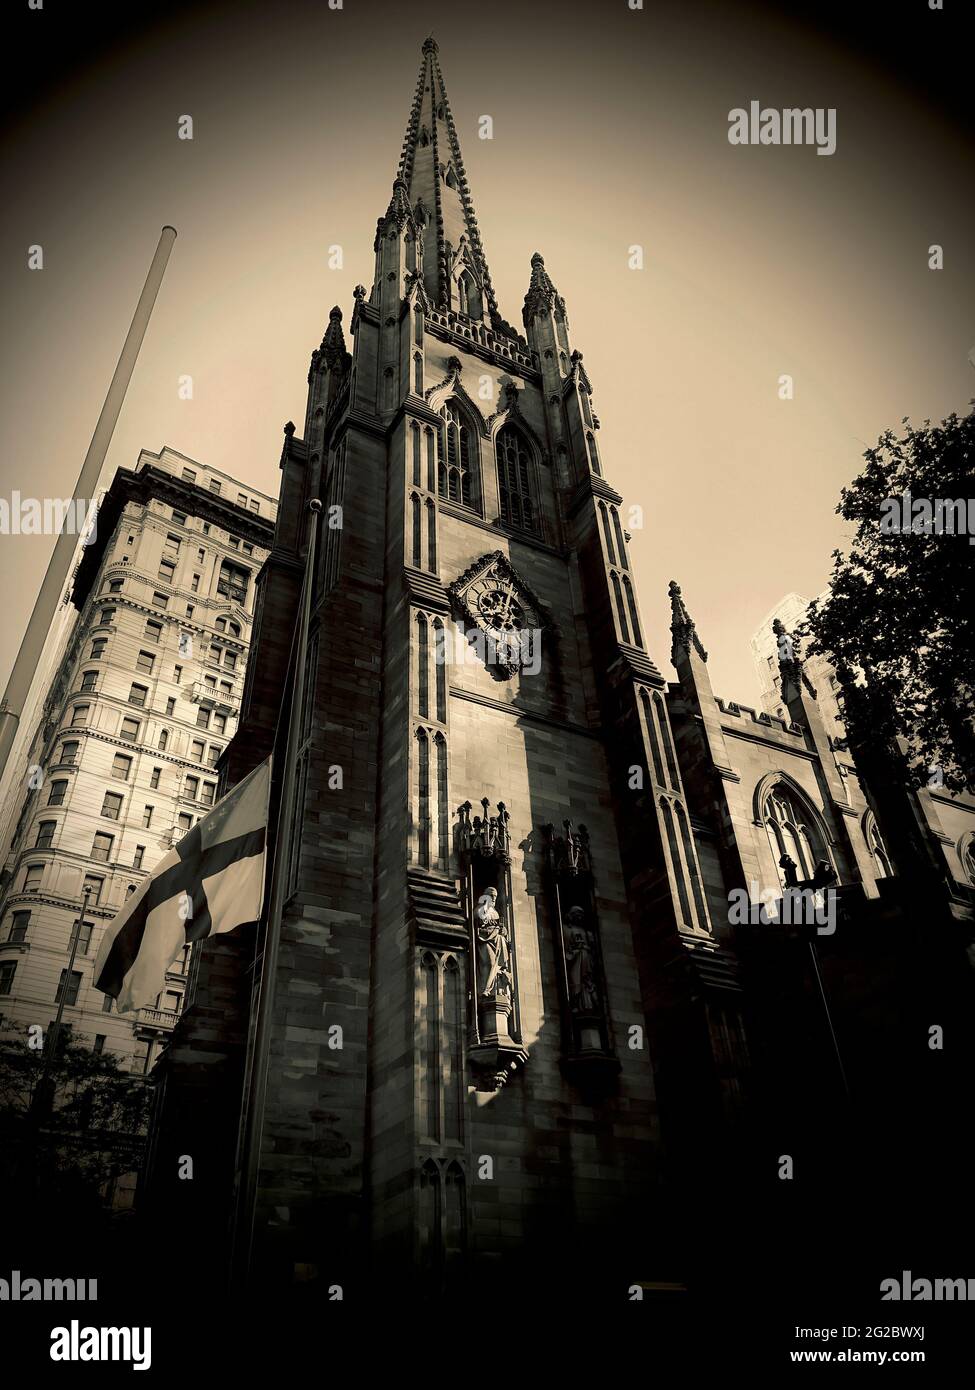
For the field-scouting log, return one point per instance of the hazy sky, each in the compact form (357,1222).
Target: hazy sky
(610,129)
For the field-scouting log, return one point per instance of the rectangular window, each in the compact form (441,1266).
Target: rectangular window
(170,706)
(177,675)
(192,788)
(215,486)
(141,1057)
(69,753)
(107,1003)
(58,790)
(94,886)
(98,648)
(154,630)
(115,586)
(121,767)
(208,792)
(112,805)
(226,688)
(18,926)
(247,548)
(196,750)
(8,970)
(203,719)
(219,723)
(171,546)
(188,475)
(137,858)
(195,586)
(213,757)
(99,1046)
(101,847)
(241,499)
(255,506)
(171,1001)
(179,518)
(201,555)
(233,542)
(210,682)
(167,572)
(154,779)
(206,528)
(32,878)
(45,834)
(82,930)
(68,986)
(163,740)
(88,682)
(159,600)
(79,715)
(138,695)
(147,816)
(129,730)
(232,583)
(107,616)
(184,822)
(189,610)
(145,662)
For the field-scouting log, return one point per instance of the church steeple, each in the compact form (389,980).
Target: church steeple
(431,170)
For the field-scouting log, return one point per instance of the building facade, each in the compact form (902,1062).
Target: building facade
(515,1031)
(142,702)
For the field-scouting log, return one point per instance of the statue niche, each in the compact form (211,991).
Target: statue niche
(588,1055)
(483,849)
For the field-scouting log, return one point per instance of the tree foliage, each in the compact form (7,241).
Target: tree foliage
(897,620)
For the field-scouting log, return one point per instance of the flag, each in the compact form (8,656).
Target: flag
(211,882)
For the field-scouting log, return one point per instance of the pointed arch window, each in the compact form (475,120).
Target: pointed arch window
(423,798)
(620,611)
(607,534)
(457,446)
(793,829)
(515,493)
(431,536)
(417,560)
(591,449)
(620,538)
(440,668)
(469,296)
(878,849)
(422,667)
(418,373)
(415,442)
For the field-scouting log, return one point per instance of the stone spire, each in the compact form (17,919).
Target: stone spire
(333,344)
(790,665)
(432,180)
(682,627)
(542,296)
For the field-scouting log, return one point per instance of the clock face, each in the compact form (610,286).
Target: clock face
(497,603)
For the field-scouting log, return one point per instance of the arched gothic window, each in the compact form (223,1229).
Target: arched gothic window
(457,453)
(877,847)
(793,830)
(593,455)
(514,481)
(469,296)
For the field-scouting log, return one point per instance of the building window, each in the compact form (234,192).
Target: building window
(154,630)
(191,788)
(129,730)
(232,582)
(101,847)
(32,878)
(99,1046)
(215,487)
(147,816)
(184,822)
(69,753)
(112,805)
(207,793)
(171,547)
(56,797)
(213,755)
(457,452)
(219,723)
(233,542)
(196,750)
(79,715)
(145,662)
(82,931)
(98,648)
(115,586)
(163,741)
(154,778)
(254,505)
(94,886)
(793,831)
(179,518)
(137,858)
(206,531)
(8,970)
(170,705)
(18,926)
(45,834)
(121,767)
(160,600)
(247,548)
(188,475)
(138,695)
(230,660)
(877,847)
(203,719)
(514,481)
(88,682)
(68,987)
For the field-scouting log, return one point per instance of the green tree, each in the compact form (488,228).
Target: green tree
(897,620)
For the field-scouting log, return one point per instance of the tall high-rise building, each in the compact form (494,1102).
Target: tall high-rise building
(144,696)
(517,1019)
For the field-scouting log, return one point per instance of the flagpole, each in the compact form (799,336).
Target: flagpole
(255,1093)
(59,565)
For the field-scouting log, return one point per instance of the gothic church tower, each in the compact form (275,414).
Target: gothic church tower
(497,947)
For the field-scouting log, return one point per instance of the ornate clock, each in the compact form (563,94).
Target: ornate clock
(499,605)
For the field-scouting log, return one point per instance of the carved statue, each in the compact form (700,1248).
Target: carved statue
(580,963)
(493,954)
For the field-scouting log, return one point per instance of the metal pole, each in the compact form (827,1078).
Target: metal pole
(59,566)
(829,1019)
(253,1123)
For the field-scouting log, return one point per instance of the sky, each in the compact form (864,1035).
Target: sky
(610,131)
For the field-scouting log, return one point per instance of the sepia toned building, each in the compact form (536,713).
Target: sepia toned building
(517,1039)
(143,697)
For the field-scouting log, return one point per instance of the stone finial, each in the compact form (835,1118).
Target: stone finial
(682,627)
(542,294)
(430,45)
(333,344)
(790,662)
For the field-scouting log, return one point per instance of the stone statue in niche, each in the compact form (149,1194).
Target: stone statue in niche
(580,963)
(494,957)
